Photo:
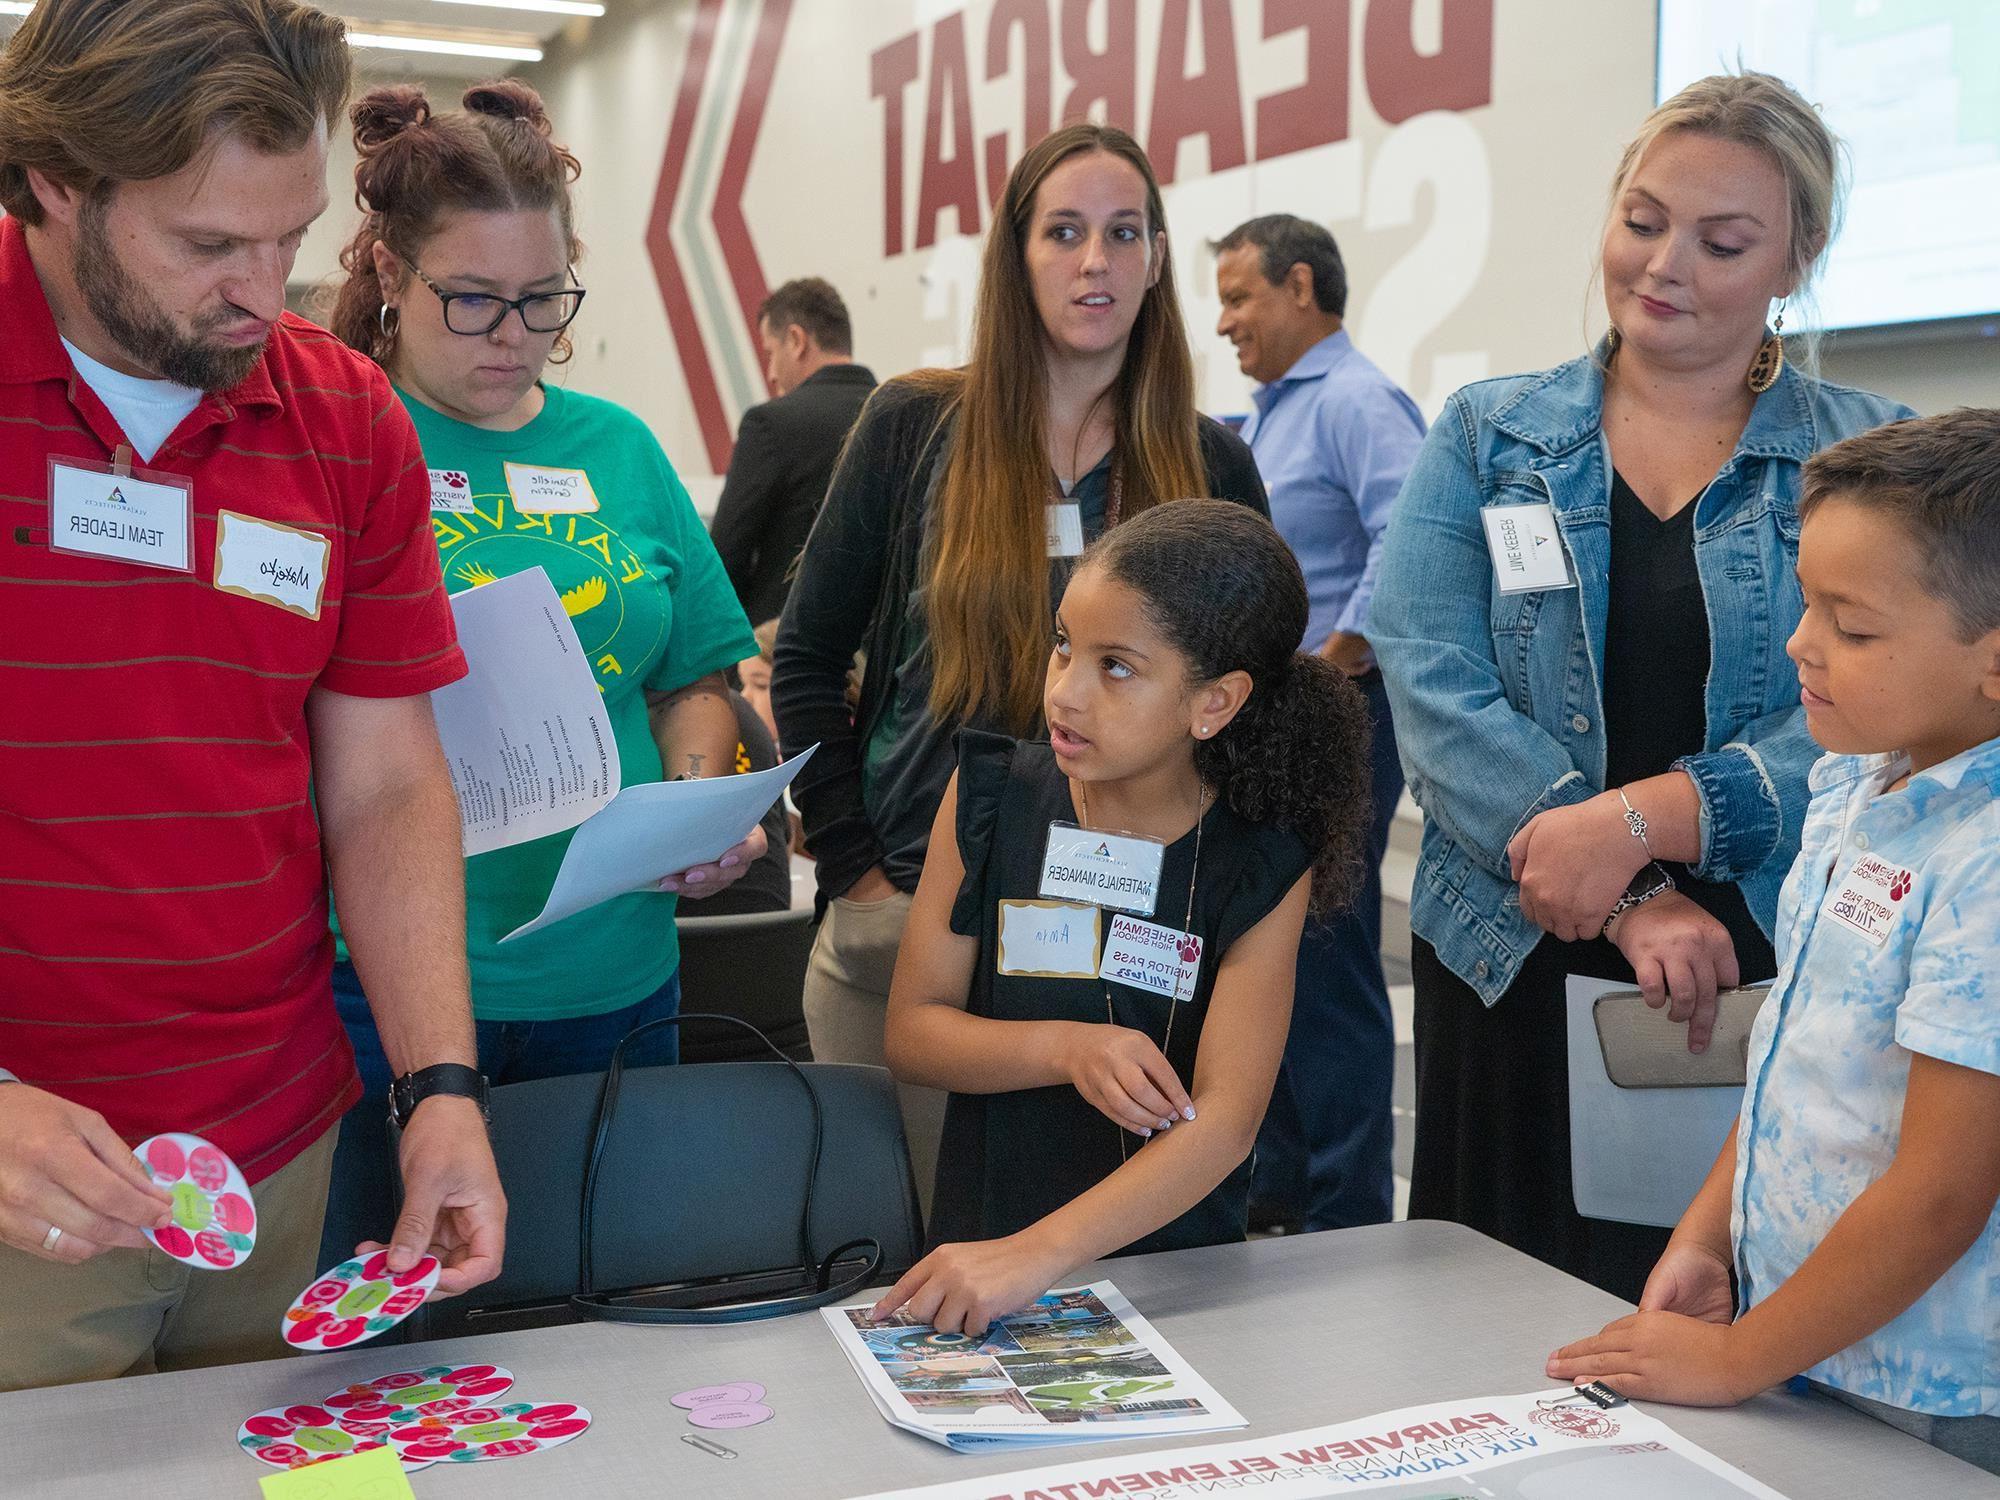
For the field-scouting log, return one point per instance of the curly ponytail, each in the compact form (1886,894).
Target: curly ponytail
(1222,586)
(415,168)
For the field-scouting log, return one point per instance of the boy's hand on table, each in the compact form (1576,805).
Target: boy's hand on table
(1662,1356)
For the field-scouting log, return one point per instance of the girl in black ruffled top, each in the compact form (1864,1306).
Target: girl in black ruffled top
(1211,782)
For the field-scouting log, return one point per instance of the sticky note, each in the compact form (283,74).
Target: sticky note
(374,1475)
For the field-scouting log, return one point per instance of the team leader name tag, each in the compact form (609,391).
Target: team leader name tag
(1065,518)
(562,491)
(1115,870)
(275,564)
(1868,897)
(1048,939)
(1148,956)
(1526,547)
(121,517)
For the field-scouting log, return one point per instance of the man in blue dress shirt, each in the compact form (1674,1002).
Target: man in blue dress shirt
(1333,437)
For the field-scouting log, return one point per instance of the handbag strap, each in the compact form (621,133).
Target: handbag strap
(594,1304)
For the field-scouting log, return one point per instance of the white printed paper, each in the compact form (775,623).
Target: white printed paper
(1120,871)
(656,829)
(524,731)
(1541,1446)
(451,491)
(1526,547)
(1078,1366)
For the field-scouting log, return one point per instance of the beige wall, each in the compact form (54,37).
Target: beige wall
(1468,232)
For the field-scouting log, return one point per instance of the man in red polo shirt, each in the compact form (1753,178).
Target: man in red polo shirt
(220,617)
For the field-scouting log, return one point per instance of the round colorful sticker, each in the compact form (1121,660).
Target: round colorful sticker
(736,1393)
(355,1301)
(482,1432)
(290,1437)
(214,1223)
(421,1388)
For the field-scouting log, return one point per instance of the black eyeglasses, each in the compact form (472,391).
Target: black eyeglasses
(477,313)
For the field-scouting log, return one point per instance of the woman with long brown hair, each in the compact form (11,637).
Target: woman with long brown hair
(953,521)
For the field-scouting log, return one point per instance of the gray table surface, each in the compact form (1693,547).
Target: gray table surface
(1297,1332)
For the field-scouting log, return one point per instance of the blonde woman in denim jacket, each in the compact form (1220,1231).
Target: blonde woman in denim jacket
(1530,720)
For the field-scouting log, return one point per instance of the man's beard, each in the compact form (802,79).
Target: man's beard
(140,326)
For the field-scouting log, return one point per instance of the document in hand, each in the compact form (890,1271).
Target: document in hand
(524,731)
(1079,1366)
(655,829)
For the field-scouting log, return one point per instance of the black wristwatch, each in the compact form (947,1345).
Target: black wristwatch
(1652,880)
(455,1079)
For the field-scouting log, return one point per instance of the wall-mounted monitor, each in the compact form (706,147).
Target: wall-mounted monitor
(1913,88)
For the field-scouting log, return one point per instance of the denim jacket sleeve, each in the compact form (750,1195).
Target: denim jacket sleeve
(1753,794)
(1475,764)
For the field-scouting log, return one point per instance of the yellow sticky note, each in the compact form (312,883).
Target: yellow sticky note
(374,1475)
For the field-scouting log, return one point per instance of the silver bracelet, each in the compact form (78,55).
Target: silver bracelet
(1635,821)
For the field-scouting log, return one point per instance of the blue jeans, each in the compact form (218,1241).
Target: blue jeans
(1323,1154)
(363,1198)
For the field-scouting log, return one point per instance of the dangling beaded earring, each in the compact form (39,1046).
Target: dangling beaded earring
(1769,361)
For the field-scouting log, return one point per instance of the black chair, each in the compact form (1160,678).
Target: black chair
(753,967)
(701,1183)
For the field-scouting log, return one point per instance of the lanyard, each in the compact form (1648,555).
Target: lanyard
(1201,805)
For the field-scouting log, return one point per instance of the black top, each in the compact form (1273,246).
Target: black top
(778,474)
(854,592)
(1656,657)
(767,884)
(1006,1160)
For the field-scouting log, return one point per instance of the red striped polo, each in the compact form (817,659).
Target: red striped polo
(164,949)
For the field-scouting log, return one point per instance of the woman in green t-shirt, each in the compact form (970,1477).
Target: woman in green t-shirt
(459,285)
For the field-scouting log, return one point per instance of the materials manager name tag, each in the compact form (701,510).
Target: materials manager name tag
(1116,870)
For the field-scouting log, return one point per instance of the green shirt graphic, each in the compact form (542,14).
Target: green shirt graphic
(652,607)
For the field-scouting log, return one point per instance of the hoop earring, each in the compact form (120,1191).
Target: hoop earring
(384,322)
(1769,361)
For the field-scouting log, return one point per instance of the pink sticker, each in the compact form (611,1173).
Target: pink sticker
(309,1323)
(214,1218)
(737,1393)
(746,1414)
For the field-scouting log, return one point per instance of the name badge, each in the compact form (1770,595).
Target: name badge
(1150,957)
(1048,939)
(451,491)
(1065,518)
(271,563)
(1868,897)
(1526,547)
(1115,870)
(143,517)
(563,491)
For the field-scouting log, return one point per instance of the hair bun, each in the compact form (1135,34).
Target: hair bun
(507,99)
(385,112)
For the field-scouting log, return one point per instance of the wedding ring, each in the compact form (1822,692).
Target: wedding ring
(49,1239)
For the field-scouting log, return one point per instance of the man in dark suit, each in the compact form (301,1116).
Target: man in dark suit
(785,449)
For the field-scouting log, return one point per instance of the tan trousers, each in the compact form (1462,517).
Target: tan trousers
(847,1004)
(132,1312)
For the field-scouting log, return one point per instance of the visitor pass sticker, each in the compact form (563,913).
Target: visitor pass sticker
(1148,956)
(1868,897)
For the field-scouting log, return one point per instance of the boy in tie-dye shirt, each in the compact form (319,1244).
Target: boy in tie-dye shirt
(1856,1197)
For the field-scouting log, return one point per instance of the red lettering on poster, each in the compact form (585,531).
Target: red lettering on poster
(948,181)
(891,70)
(1314,113)
(1403,82)
(1031,19)
(1109,77)
(1208,103)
